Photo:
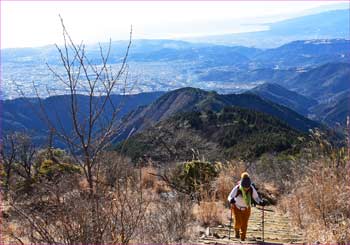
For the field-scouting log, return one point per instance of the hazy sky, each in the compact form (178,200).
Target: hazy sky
(30,23)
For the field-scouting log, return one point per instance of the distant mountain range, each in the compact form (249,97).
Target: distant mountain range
(296,53)
(26,114)
(323,82)
(332,111)
(306,53)
(283,96)
(210,67)
(324,25)
(308,86)
(141,111)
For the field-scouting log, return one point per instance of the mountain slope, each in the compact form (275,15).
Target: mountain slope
(306,53)
(244,76)
(322,82)
(191,99)
(25,114)
(285,114)
(283,96)
(334,112)
(232,132)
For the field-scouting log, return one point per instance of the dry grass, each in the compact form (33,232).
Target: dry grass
(161,187)
(210,212)
(149,180)
(228,178)
(148,177)
(168,221)
(13,233)
(319,204)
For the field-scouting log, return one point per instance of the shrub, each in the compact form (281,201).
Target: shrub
(195,176)
(50,170)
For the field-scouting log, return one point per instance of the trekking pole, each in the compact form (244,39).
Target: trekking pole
(263,223)
(229,228)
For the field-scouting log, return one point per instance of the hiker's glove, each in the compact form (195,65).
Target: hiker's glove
(263,202)
(232,201)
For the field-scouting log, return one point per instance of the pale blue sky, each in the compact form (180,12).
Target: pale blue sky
(29,23)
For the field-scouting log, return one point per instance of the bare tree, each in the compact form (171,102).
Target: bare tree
(7,155)
(25,151)
(17,155)
(92,131)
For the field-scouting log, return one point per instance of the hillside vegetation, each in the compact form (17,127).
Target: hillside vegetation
(193,99)
(232,132)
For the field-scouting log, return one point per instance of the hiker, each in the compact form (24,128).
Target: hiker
(241,201)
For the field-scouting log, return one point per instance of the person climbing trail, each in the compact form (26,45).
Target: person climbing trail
(241,201)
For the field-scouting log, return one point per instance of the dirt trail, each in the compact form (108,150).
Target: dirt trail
(277,230)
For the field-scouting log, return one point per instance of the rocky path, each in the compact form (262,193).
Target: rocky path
(277,230)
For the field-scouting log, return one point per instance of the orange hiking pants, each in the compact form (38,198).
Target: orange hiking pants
(241,220)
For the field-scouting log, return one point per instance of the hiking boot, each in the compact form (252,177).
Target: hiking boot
(237,234)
